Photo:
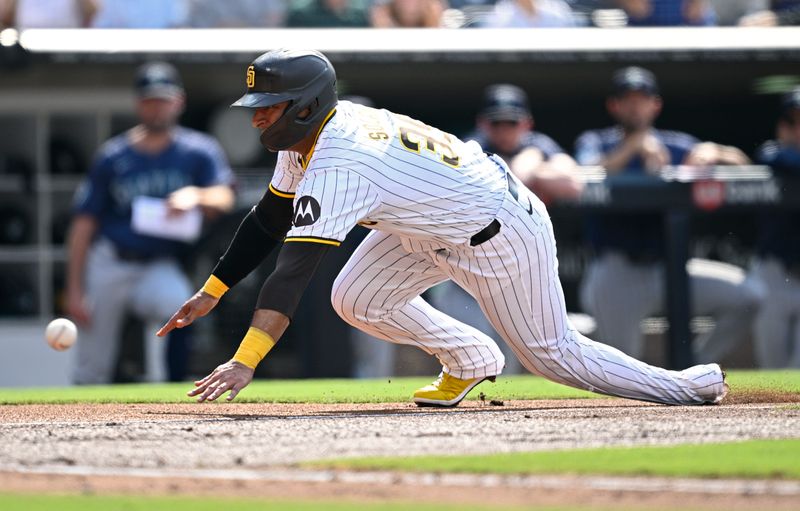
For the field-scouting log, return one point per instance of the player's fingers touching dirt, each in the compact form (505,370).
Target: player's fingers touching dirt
(230,376)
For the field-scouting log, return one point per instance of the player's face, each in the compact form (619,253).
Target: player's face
(265,117)
(635,111)
(505,136)
(159,114)
(789,129)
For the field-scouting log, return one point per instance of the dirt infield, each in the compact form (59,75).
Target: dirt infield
(254,449)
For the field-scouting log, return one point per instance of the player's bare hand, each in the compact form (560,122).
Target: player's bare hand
(183,200)
(77,308)
(654,154)
(196,307)
(229,377)
(710,153)
(706,153)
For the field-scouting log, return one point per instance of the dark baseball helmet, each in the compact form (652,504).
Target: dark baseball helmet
(304,78)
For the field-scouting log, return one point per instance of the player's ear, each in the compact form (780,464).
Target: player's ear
(657,104)
(180,103)
(612,105)
(528,123)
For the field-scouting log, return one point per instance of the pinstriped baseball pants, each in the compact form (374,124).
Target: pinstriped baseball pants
(514,278)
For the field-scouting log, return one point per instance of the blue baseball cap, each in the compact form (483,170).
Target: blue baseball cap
(634,79)
(790,101)
(505,102)
(158,80)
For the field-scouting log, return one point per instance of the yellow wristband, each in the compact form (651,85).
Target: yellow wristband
(215,287)
(254,347)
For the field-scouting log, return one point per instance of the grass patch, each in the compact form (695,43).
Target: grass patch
(383,390)
(783,380)
(756,459)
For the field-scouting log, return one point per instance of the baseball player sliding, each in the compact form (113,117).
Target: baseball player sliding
(439,209)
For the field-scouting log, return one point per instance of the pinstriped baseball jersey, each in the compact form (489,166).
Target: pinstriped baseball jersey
(392,173)
(427,194)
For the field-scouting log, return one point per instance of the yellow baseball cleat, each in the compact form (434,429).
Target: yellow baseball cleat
(446,391)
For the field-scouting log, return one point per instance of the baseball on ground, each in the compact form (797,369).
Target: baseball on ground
(61,333)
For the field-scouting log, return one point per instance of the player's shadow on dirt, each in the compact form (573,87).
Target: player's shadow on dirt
(588,406)
(401,409)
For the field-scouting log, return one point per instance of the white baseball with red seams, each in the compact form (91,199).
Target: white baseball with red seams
(61,334)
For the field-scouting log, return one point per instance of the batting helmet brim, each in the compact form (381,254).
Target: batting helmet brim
(263,99)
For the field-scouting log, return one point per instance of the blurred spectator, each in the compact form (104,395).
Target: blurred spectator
(779,13)
(24,14)
(729,12)
(236,13)
(668,13)
(141,14)
(777,265)
(116,267)
(466,4)
(468,13)
(505,127)
(328,13)
(407,13)
(625,282)
(530,13)
(583,11)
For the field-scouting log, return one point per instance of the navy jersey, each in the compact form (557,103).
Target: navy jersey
(640,235)
(120,172)
(669,13)
(534,139)
(778,228)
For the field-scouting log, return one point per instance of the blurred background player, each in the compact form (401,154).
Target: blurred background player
(505,126)
(777,264)
(625,282)
(114,269)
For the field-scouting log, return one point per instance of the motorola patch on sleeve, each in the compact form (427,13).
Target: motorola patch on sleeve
(306,211)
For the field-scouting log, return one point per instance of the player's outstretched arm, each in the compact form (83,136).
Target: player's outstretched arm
(261,230)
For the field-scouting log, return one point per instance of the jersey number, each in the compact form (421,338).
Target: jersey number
(415,136)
